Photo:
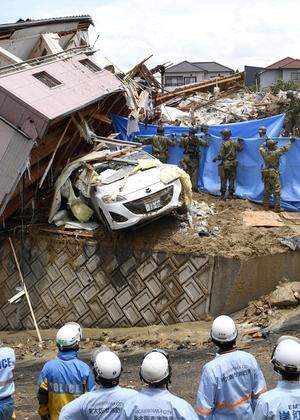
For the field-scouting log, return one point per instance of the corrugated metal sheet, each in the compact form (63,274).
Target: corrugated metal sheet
(15,148)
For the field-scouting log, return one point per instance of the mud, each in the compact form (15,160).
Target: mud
(232,237)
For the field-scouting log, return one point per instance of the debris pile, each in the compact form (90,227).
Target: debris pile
(229,107)
(261,314)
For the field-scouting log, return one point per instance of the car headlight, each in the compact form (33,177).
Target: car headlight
(113,198)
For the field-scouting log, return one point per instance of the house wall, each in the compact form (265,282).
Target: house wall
(199,77)
(287,74)
(269,77)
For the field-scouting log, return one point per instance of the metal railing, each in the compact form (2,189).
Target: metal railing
(46,59)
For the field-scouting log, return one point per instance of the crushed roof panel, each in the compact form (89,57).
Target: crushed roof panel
(21,23)
(15,148)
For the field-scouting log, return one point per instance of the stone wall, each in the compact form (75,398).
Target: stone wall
(99,286)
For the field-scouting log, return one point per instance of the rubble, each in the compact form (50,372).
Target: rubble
(262,314)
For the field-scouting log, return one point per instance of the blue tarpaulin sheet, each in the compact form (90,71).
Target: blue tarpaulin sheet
(248,182)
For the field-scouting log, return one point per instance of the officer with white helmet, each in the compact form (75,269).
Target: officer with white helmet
(7,386)
(106,400)
(231,383)
(155,401)
(66,377)
(283,402)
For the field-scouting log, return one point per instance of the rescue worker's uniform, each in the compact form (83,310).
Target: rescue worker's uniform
(270,172)
(7,386)
(157,404)
(101,403)
(281,403)
(192,154)
(160,144)
(227,169)
(62,380)
(229,387)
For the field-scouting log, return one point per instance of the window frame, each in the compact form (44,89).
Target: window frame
(52,79)
(90,65)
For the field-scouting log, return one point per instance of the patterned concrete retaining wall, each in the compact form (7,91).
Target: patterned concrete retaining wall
(100,285)
(103,287)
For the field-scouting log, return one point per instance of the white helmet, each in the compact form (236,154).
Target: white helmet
(223,329)
(156,367)
(68,336)
(107,365)
(286,355)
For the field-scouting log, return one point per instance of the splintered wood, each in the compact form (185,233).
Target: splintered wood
(261,219)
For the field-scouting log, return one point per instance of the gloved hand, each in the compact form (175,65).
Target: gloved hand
(215,160)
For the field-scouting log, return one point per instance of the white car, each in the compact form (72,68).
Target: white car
(122,200)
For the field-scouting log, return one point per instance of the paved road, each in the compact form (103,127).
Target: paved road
(186,367)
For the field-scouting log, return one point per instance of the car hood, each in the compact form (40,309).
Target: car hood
(135,182)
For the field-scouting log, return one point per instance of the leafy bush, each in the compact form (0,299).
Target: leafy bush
(283,85)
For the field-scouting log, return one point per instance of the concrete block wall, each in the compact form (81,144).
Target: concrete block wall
(98,286)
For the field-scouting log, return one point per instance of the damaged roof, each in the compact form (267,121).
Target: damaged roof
(15,148)
(28,23)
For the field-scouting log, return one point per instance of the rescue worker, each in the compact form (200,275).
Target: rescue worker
(227,169)
(160,144)
(7,386)
(155,402)
(192,153)
(231,383)
(283,402)
(262,131)
(66,377)
(106,400)
(270,171)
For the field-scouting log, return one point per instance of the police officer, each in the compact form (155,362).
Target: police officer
(66,377)
(227,169)
(7,386)
(154,401)
(160,144)
(192,154)
(106,400)
(283,402)
(230,383)
(270,171)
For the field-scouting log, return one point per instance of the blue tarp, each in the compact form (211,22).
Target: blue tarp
(248,182)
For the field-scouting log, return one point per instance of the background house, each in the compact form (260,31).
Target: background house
(287,69)
(186,72)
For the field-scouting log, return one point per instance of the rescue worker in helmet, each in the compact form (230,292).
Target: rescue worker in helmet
(106,400)
(155,401)
(192,153)
(66,377)
(7,386)
(270,171)
(160,143)
(262,132)
(227,169)
(283,402)
(231,383)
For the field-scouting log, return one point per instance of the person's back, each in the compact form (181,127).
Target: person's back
(155,402)
(64,378)
(231,383)
(106,400)
(7,387)
(230,380)
(283,402)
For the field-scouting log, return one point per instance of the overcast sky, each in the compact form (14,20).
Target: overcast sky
(233,32)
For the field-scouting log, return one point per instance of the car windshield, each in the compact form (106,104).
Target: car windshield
(117,168)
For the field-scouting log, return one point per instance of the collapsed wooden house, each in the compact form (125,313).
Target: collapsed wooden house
(49,85)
